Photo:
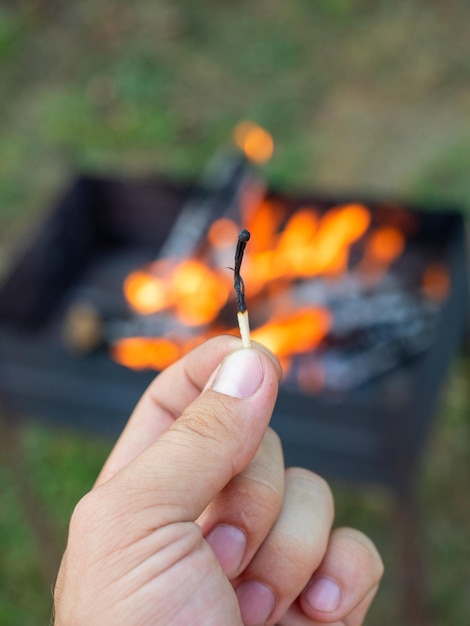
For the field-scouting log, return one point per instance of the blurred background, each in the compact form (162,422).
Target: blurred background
(368,96)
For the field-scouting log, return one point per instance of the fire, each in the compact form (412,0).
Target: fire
(145,292)
(264,224)
(382,247)
(308,246)
(296,243)
(302,331)
(145,353)
(283,248)
(338,230)
(385,245)
(293,255)
(254,141)
(192,290)
(198,293)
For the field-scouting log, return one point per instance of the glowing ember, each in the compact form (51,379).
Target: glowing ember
(145,353)
(198,293)
(256,143)
(300,332)
(385,244)
(145,292)
(264,224)
(296,243)
(339,228)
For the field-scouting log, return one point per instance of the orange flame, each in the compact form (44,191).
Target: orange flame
(264,224)
(339,228)
(198,293)
(385,244)
(382,247)
(254,141)
(309,245)
(300,332)
(296,241)
(145,292)
(145,353)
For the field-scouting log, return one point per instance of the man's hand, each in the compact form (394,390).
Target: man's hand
(194,521)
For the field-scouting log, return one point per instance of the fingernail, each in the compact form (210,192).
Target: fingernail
(229,545)
(323,595)
(256,602)
(240,374)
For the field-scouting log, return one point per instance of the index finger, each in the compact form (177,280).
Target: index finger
(166,398)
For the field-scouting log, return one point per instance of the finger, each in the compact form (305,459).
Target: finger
(296,617)
(213,440)
(239,518)
(293,549)
(358,615)
(166,398)
(346,579)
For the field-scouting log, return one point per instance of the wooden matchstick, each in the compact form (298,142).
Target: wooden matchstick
(242,315)
(244,324)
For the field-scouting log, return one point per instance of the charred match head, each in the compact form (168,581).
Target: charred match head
(243,238)
(238,284)
(244,235)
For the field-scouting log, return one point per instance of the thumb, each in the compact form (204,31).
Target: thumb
(214,439)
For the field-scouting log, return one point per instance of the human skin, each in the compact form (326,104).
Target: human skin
(194,520)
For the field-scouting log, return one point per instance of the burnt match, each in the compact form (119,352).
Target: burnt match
(242,314)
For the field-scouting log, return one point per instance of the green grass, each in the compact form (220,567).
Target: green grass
(359,96)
